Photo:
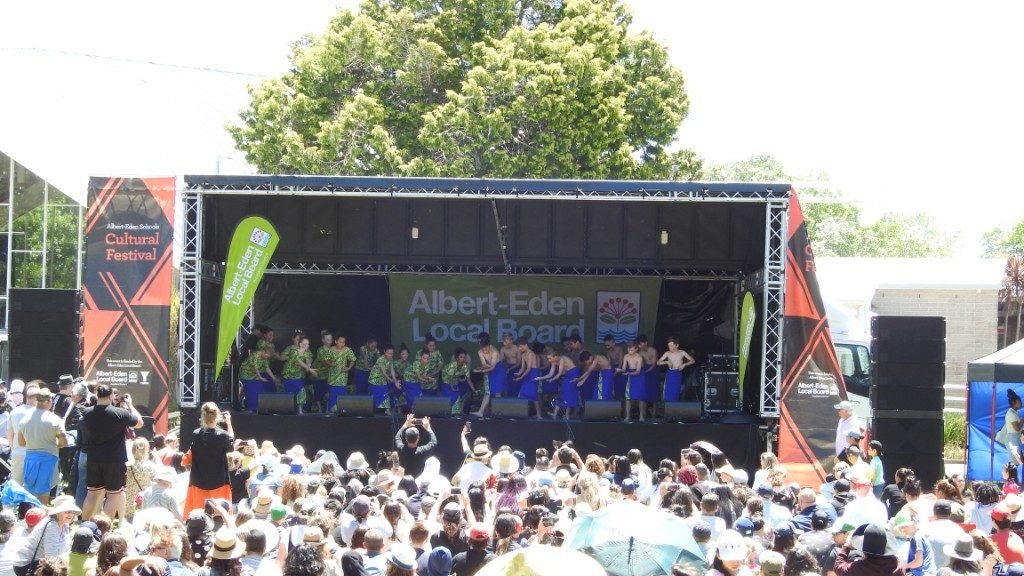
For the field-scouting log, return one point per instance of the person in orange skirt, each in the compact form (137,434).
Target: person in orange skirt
(208,476)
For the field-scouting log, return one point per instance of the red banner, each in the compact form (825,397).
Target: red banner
(129,232)
(813,381)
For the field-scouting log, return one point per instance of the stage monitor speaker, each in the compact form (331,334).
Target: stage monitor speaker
(432,406)
(355,406)
(908,351)
(603,410)
(44,329)
(907,398)
(909,327)
(276,403)
(682,411)
(896,374)
(917,432)
(510,408)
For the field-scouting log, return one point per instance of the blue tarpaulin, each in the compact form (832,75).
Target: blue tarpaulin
(989,379)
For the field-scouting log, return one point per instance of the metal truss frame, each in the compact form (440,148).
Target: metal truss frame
(773,304)
(190,290)
(771,280)
(329,268)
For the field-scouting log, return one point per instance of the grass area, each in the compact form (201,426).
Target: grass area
(954,436)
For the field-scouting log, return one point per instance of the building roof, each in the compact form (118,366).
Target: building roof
(94,116)
(856,279)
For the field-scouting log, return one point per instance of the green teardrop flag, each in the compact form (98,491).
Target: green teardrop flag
(251,248)
(748,315)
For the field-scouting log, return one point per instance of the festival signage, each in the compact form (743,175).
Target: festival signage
(129,231)
(455,310)
(252,245)
(748,318)
(813,381)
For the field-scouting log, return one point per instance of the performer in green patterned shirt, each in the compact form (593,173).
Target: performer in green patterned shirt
(323,367)
(456,379)
(416,376)
(436,365)
(297,363)
(383,377)
(367,358)
(338,385)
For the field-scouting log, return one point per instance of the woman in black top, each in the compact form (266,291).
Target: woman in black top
(208,477)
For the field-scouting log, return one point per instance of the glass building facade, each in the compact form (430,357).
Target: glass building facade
(40,239)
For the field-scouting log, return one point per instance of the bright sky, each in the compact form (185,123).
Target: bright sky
(908,106)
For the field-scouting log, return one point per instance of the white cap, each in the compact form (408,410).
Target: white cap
(844,405)
(17,386)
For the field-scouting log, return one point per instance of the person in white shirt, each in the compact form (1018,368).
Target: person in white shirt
(847,421)
(865,508)
(708,508)
(942,530)
(18,416)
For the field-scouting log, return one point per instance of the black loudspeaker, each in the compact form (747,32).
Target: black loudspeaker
(682,411)
(603,410)
(908,351)
(432,406)
(721,391)
(928,468)
(355,406)
(510,408)
(278,403)
(919,432)
(44,333)
(907,398)
(909,327)
(888,374)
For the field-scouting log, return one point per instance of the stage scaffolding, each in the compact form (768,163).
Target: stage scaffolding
(769,281)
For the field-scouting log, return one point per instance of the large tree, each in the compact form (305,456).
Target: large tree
(1001,243)
(473,88)
(834,223)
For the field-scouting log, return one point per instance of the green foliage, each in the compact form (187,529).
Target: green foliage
(473,88)
(998,243)
(954,435)
(61,248)
(834,224)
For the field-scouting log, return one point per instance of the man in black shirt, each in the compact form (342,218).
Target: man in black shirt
(452,536)
(102,432)
(413,450)
(471,561)
(65,406)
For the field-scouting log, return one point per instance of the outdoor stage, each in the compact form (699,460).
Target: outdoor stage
(345,435)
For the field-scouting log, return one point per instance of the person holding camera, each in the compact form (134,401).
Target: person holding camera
(103,429)
(208,458)
(414,448)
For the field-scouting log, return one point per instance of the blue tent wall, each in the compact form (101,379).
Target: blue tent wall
(985,456)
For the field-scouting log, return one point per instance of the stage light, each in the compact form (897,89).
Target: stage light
(415,233)
(664,237)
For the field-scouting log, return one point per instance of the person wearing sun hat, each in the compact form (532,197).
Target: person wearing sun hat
(913,549)
(877,555)
(51,537)
(730,554)
(402,558)
(848,421)
(504,463)
(225,556)
(84,545)
(475,469)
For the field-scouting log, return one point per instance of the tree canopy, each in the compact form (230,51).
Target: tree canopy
(1002,243)
(834,224)
(473,88)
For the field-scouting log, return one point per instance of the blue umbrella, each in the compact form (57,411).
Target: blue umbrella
(630,539)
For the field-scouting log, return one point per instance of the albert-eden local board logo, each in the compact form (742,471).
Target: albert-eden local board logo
(618,316)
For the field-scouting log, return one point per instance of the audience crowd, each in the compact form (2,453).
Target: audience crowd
(229,506)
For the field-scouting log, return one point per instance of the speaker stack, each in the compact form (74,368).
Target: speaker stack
(907,374)
(721,384)
(44,333)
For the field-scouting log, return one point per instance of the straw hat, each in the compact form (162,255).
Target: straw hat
(314,536)
(262,503)
(402,556)
(480,452)
(268,530)
(356,461)
(226,545)
(166,474)
(63,503)
(504,462)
